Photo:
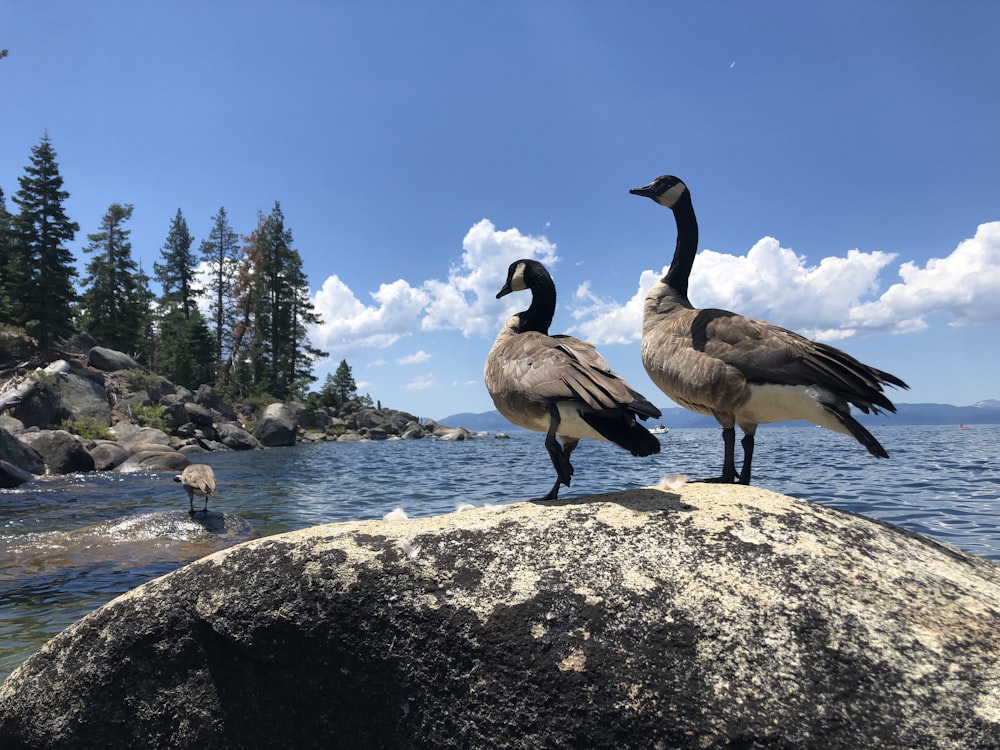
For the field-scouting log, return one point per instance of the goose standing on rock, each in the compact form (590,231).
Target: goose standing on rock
(745,371)
(198,479)
(560,385)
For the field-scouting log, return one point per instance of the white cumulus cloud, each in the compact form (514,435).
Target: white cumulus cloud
(465,301)
(963,286)
(349,324)
(415,358)
(835,299)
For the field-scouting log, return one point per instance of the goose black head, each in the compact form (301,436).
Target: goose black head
(665,190)
(524,274)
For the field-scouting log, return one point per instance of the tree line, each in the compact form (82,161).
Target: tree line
(234,313)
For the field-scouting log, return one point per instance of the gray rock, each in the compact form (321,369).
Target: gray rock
(200,415)
(13,476)
(64,453)
(175,415)
(277,426)
(458,433)
(83,398)
(714,616)
(107,455)
(413,432)
(110,360)
(42,407)
(154,460)
(235,437)
(134,439)
(13,426)
(20,454)
(208,397)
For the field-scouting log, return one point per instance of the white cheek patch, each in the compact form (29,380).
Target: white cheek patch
(517,279)
(669,198)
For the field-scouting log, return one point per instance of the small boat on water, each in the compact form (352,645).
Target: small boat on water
(658,430)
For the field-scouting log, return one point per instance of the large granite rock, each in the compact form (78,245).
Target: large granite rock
(110,360)
(712,616)
(84,398)
(64,453)
(276,427)
(20,454)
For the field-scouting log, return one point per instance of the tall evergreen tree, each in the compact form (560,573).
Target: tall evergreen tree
(176,273)
(6,260)
(339,386)
(271,346)
(40,267)
(115,304)
(220,253)
(185,353)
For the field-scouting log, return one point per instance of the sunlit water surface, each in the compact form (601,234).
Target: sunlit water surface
(940,481)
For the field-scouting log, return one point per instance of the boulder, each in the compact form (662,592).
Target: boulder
(109,360)
(202,416)
(235,437)
(13,426)
(154,460)
(711,616)
(208,397)
(413,432)
(13,476)
(41,407)
(107,455)
(276,427)
(84,398)
(64,453)
(20,454)
(134,439)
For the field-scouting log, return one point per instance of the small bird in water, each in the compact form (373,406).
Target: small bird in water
(198,479)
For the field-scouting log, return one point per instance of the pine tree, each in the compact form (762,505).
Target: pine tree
(340,385)
(220,253)
(185,348)
(176,273)
(6,260)
(185,353)
(40,268)
(271,351)
(115,304)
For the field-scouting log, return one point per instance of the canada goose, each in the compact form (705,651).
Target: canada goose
(741,370)
(198,479)
(560,385)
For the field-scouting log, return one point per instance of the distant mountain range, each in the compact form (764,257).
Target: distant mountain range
(983,412)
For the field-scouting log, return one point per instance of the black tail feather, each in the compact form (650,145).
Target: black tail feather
(861,434)
(622,429)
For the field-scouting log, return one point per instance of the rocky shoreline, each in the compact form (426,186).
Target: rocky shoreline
(98,410)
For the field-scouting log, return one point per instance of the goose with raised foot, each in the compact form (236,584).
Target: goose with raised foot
(744,371)
(198,479)
(558,384)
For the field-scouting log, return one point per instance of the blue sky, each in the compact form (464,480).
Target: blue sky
(843,159)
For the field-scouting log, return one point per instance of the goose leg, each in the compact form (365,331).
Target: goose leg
(568,445)
(729,457)
(191,500)
(747,443)
(559,454)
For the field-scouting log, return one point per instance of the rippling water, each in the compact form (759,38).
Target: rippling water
(941,481)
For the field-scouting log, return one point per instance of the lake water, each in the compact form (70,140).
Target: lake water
(940,481)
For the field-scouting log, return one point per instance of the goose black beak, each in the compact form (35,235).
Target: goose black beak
(646,190)
(505,291)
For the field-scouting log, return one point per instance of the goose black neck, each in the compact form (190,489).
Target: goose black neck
(538,317)
(687,245)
